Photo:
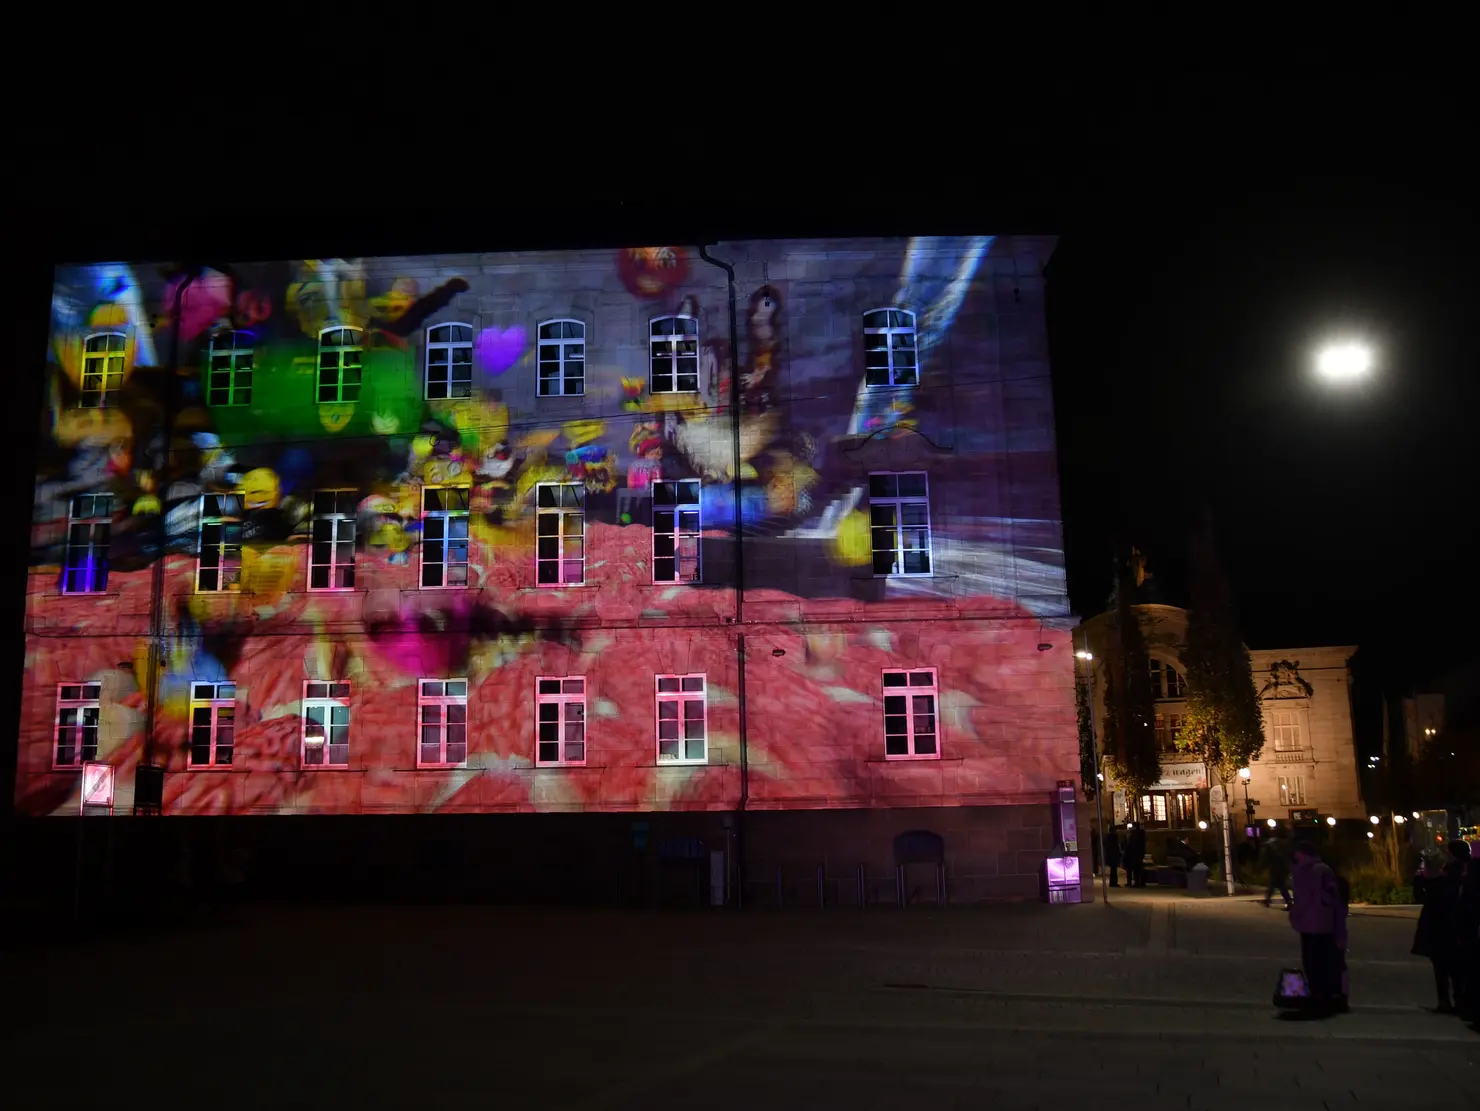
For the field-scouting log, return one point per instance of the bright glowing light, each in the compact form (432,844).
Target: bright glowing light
(1344,362)
(1399,819)
(1099,775)
(1085,655)
(1245,773)
(1374,819)
(1370,833)
(1416,815)
(1271,822)
(1202,825)
(1330,821)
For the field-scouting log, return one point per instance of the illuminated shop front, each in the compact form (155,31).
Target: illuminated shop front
(540,536)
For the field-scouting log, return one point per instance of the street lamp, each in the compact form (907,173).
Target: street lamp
(1331,820)
(1398,819)
(1089,661)
(1344,362)
(1374,819)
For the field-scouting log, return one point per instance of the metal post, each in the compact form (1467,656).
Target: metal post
(862,889)
(899,882)
(821,896)
(1094,745)
(780,898)
(940,884)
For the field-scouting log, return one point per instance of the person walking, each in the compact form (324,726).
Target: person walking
(1318,915)
(1112,856)
(1135,855)
(1439,934)
(1277,860)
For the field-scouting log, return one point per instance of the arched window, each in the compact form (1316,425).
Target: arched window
(230,376)
(1166,680)
(102,370)
(449,361)
(674,351)
(889,355)
(340,352)
(562,346)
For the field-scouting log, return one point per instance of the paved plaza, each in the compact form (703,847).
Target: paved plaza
(1159,998)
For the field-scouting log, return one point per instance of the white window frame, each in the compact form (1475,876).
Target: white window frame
(898,504)
(669,347)
(437,699)
(568,708)
(555,351)
(1165,676)
(1292,791)
(563,534)
(216,699)
(890,331)
(681,699)
(679,534)
(85,701)
(1279,731)
(106,365)
(339,531)
(451,543)
(344,391)
(909,690)
(89,533)
(453,345)
(227,564)
(321,702)
(237,391)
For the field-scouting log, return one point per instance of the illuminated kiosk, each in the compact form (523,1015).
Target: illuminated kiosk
(545,574)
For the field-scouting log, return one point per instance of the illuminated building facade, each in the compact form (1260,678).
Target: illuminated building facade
(666,553)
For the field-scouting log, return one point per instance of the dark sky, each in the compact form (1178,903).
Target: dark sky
(1213,231)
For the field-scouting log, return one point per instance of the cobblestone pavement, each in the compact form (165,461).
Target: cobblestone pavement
(1161,1000)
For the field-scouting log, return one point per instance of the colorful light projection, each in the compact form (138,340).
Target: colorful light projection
(306,444)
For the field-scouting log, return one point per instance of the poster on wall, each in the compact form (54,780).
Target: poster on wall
(97,786)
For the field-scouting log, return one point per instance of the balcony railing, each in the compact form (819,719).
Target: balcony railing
(1292,756)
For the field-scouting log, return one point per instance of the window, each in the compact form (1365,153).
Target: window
(78,710)
(676,531)
(889,357)
(230,378)
(220,563)
(560,555)
(449,361)
(339,365)
(444,723)
(1168,726)
(331,555)
(899,512)
(1292,790)
(674,355)
(1166,680)
(683,726)
(562,346)
(325,725)
(212,724)
(444,536)
(1154,809)
(91,520)
(562,722)
(102,370)
(1184,809)
(1284,728)
(909,715)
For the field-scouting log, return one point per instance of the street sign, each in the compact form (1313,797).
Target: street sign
(97,785)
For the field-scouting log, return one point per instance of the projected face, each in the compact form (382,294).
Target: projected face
(385,472)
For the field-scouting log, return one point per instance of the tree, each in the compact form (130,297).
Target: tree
(1223,724)
(1088,773)
(1130,707)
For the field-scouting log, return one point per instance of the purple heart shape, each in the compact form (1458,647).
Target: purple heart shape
(498,351)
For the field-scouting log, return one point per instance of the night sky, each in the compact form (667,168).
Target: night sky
(1212,233)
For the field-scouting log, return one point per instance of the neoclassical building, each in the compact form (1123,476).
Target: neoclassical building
(1308,767)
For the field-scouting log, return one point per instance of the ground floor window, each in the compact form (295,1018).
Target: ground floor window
(1170,809)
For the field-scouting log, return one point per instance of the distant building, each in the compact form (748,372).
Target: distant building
(1308,768)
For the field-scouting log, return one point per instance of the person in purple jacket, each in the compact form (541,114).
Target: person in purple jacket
(1319,917)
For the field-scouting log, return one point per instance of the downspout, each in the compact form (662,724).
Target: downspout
(739,618)
(156,582)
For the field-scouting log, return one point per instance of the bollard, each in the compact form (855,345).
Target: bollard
(821,896)
(780,898)
(862,891)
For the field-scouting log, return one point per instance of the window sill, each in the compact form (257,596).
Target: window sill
(906,575)
(937,758)
(333,590)
(444,767)
(566,586)
(211,768)
(558,767)
(326,767)
(82,594)
(686,764)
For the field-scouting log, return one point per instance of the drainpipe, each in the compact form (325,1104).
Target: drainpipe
(156,582)
(739,618)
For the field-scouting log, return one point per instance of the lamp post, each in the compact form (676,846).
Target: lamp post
(1089,661)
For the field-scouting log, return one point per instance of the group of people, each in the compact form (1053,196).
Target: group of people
(1134,856)
(1448,932)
